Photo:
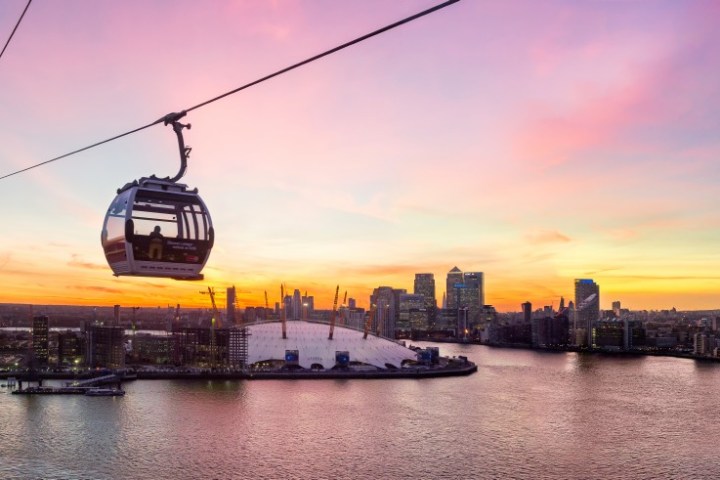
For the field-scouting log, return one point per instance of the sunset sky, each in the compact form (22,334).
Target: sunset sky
(537,142)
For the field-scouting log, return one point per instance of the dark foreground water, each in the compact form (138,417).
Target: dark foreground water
(525,414)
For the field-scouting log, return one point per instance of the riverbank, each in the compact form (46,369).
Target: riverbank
(419,371)
(302,374)
(581,350)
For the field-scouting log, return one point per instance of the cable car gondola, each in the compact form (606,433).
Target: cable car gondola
(157,227)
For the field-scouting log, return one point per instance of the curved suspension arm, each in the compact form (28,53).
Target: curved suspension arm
(172,118)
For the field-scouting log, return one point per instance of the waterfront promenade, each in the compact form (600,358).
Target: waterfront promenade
(645,351)
(460,367)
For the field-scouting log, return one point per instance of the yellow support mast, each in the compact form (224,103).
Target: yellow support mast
(334,313)
(282,307)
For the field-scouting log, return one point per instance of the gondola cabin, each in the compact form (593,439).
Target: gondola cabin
(157,228)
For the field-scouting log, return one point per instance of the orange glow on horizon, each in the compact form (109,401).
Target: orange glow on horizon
(559,156)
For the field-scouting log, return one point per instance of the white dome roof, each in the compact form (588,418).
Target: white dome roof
(311,341)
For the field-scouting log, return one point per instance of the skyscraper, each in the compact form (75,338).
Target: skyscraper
(105,346)
(473,281)
(465,294)
(527,311)
(425,285)
(308,305)
(465,290)
(296,306)
(454,277)
(413,315)
(40,339)
(386,301)
(587,308)
(69,348)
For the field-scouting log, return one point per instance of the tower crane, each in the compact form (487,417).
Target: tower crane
(345,315)
(266,314)
(334,313)
(236,309)
(175,319)
(133,324)
(217,319)
(282,306)
(368,322)
(134,328)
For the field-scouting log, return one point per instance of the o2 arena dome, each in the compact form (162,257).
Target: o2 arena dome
(307,346)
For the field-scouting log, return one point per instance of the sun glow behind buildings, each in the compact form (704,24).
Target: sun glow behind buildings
(534,142)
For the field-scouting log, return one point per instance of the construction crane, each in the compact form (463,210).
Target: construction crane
(267,308)
(217,319)
(236,309)
(368,322)
(345,315)
(133,325)
(282,307)
(334,313)
(173,317)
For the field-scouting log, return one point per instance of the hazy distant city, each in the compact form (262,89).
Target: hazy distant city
(119,336)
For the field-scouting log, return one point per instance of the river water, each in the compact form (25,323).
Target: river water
(524,415)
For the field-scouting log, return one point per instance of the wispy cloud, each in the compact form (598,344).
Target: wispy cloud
(546,236)
(98,288)
(76,261)
(662,277)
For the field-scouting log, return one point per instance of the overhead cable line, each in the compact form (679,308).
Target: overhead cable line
(328,52)
(175,116)
(16,27)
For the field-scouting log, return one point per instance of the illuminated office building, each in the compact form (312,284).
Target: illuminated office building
(587,309)
(41,339)
(105,346)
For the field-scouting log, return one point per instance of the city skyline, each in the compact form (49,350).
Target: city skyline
(536,143)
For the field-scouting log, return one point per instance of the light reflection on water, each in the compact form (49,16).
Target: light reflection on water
(524,414)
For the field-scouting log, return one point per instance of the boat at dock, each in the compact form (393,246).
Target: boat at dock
(104,392)
(50,391)
(71,390)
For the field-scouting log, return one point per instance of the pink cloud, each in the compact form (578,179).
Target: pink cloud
(656,94)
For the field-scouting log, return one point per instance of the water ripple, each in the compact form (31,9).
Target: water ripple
(523,415)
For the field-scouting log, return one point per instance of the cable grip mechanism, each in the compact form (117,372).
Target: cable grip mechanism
(172,118)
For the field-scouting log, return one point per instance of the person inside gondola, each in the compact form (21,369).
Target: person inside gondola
(156,244)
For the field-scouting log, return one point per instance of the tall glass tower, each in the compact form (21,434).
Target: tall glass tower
(296,306)
(40,339)
(425,285)
(454,279)
(587,308)
(474,282)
